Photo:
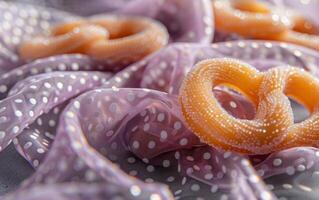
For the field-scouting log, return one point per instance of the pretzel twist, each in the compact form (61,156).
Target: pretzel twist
(259,20)
(273,126)
(115,38)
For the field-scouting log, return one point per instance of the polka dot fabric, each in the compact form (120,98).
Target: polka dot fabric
(93,130)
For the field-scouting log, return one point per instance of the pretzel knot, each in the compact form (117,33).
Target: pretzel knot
(273,126)
(259,20)
(112,38)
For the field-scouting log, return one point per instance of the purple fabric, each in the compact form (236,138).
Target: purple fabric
(95,134)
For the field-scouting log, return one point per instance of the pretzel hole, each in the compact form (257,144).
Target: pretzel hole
(119,28)
(303,90)
(234,101)
(299,110)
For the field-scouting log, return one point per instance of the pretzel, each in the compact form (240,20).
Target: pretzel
(249,18)
(67,38)
(258,20)
(300,38)
(116,38)
(272,128)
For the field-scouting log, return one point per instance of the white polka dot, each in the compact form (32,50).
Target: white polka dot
(131,160)
(18,113)
(151,145)
(33,101)
(207,156)
(75,66)
(35,163)
(39,121)
(224,197)
(45,100)
(47,85)
(270,187)
(177,125)
(160,117)
(40,150)
(135,190)
(183,142)
(27,145)
(82,81)
(170,179)
(287,186)
(3,88)
(76,104)
(305,188)
(233,104)
(177,155)
(3,119)
(301,168)
(155,197)
(146,127)
(150,168)
(290,170)
(163,135)
(18,101)
(60,85)
(208,176)
(52,123)
(31,113)
(136,144)
(166,163)
(195,187)
(2,134)
(214,188)
(277,162)
(15,129)
(133,173)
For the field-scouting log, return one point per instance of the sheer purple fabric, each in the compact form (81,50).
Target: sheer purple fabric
(95,134)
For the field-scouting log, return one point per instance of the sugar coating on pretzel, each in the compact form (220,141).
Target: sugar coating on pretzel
(115,38)
(130,38)
(272,127)
(249,18)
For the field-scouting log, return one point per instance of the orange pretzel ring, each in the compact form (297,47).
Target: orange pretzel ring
(130,39)
(69,39)
(303,33)
(305,133)
(249,18)
(272,128)
(258,20)
(117,38)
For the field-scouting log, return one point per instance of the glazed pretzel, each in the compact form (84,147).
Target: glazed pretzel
(272,128)
(116,38)
(251,18)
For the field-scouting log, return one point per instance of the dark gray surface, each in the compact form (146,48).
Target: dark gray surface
(13,169)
